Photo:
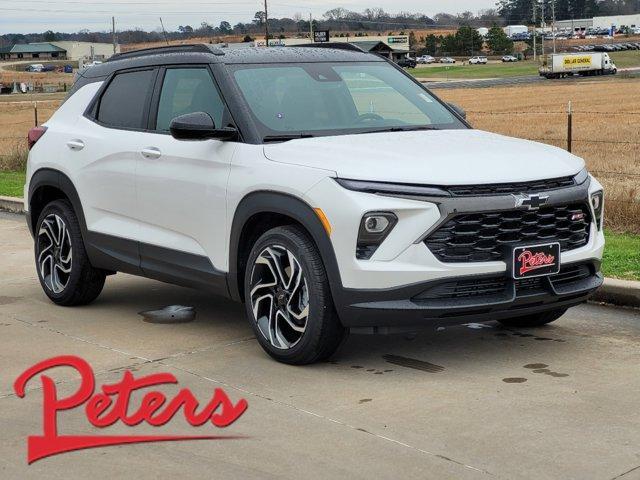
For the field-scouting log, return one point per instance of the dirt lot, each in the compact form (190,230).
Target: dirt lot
(606,126)
(560,402)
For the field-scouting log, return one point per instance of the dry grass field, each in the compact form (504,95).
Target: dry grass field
(606,129)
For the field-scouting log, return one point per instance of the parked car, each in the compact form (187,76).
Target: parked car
(478,61)
(34,67)
(425,59)
(509,58)
(407,62)
(49,68)
(314,206)
(447,60)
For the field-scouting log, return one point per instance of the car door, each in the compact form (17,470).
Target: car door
(105,149)
(181,185)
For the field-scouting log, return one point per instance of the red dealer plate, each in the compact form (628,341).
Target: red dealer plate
(536,260)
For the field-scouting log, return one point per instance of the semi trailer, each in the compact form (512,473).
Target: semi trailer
(562,65)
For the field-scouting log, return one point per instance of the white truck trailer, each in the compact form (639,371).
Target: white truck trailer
(512,30)
(562,65)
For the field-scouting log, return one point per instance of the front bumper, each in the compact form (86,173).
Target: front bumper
(467,299)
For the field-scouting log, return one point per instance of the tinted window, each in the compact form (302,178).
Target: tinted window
(321,98)
(123,103)
(188,90)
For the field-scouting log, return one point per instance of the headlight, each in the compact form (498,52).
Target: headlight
(581,177)
(374,228)
(597,204)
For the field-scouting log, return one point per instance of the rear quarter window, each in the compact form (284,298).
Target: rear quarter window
(124,102)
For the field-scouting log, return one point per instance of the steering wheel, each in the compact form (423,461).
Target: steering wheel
(365,117)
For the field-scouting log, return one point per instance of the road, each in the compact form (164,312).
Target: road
(466,402)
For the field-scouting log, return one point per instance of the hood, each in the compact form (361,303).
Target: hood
(438,157)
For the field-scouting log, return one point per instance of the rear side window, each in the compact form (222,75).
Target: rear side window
(124,102)
(188,90)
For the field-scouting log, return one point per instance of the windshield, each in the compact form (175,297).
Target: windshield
(301,99)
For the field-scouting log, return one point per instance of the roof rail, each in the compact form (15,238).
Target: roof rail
(337,45)
(193,48)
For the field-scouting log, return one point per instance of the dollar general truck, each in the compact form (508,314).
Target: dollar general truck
(562,65)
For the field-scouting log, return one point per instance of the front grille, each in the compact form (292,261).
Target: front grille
(493,286)
(571,274)
(483,237)
(529,285)
(511,188)
(468,288)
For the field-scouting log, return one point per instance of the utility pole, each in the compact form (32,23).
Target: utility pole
(113,33)
(535,30)
(164,32)
(542,24)
(311,26)
(553,23)
(266,24)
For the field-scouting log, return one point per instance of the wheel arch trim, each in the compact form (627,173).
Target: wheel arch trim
(49,177)
(269,202)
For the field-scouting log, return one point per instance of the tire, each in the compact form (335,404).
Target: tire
(59,248)
(534,320)
(276,303)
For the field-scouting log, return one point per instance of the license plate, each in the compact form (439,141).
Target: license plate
(536,260)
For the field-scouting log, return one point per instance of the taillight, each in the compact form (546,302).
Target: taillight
(34,135)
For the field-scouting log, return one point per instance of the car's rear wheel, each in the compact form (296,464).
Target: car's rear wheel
(63,267)
(288,299)
(534,320)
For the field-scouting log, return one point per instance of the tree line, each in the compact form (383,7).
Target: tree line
(341,20)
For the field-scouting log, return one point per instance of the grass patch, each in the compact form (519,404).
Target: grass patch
(622,256)
(626,58)
(493,70)
(12,183)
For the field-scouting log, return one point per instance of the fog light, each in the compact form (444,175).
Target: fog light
(375,223)
(374,229)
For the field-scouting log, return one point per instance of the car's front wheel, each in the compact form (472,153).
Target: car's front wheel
(63,267)
(534,320)
(288,299)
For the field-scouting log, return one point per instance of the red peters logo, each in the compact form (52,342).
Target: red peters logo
(111,405)
(533,261)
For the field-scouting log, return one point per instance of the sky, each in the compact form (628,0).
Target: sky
(28,16)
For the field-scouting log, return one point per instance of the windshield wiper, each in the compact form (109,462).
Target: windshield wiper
(403,129)
(285,137)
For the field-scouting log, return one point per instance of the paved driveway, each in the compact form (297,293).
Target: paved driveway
(466,403)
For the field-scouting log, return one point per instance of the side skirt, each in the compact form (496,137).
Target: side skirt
(166,265)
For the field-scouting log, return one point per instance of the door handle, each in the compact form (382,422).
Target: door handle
(75,144)
(151,153)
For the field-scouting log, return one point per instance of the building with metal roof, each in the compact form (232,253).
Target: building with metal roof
(63,50)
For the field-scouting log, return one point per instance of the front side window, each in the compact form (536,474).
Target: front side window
(123,104)
(188,90)
(331,98)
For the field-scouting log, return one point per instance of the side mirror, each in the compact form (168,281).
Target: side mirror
(199,126)
(459,110)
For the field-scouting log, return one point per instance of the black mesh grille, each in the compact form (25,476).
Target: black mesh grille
(465,289)
(511,188)
(482,237)
(571,274)
(486,287)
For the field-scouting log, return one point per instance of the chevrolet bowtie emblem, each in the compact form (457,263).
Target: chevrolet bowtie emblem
(531,202)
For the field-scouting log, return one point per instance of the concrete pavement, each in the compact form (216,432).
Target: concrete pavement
(466,402)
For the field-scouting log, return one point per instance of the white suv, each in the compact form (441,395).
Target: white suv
(323,187)
(478,61)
